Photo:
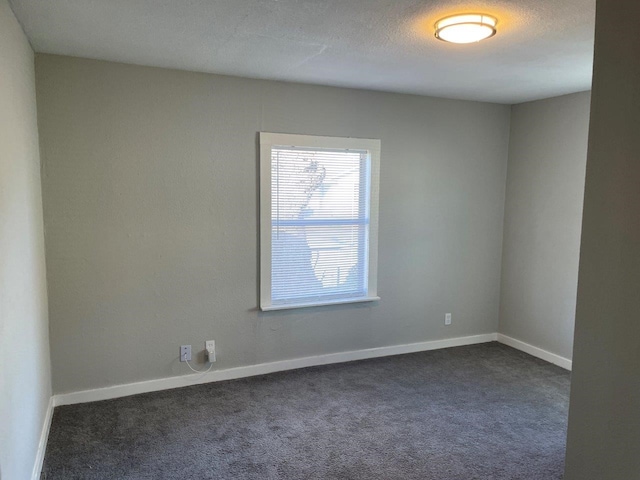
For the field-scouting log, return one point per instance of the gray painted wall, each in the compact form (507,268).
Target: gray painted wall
(150,193)
(543,213)
(604,416)
(25,383)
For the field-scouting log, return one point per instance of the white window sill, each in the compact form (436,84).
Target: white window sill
(290,306)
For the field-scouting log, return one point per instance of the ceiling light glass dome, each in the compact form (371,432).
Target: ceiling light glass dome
(466,28)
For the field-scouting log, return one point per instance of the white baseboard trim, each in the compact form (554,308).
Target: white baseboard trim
(535,351)
(42,444)
(261,369)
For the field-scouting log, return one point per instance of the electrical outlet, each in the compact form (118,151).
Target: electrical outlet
(210,347)
(447,319)
(185,353)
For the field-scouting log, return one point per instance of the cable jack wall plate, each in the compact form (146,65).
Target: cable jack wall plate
(185,353)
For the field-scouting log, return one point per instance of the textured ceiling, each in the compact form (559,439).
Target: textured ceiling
(543,47)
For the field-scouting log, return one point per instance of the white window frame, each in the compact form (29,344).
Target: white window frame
(270,140)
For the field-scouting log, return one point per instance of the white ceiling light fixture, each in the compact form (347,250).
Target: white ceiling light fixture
(466,28)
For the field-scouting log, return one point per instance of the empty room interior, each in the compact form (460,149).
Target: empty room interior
(320,239)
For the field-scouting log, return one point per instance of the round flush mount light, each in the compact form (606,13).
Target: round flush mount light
(466,28)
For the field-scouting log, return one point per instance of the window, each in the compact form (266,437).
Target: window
(318,220)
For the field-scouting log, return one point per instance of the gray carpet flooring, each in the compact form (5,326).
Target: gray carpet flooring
(476,412)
